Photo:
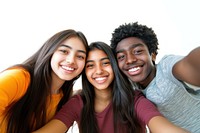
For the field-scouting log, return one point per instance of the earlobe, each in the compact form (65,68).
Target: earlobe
(153,56)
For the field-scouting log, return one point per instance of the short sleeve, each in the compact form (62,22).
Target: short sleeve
(145,110)
(70,111)
(13,85)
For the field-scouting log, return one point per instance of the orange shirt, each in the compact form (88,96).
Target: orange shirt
(13,85)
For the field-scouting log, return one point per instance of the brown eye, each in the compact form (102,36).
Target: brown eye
(121,57)
(80,57)
(89,65)
(63,51)
(136,52)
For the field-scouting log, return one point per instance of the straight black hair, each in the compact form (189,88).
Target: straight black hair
(122,98)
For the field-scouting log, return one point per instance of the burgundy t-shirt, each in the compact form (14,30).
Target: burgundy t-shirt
(71,112)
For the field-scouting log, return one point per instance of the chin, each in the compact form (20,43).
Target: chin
(135,80)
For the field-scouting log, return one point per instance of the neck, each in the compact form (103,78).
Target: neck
(55,91)
(103,95)
(56,84)
(102,100)
(149,78)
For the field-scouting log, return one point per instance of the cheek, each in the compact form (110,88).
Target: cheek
(112,76)
(55,59)
(149,61)
(81,65)
(120,65)
(53,62)
(89,75)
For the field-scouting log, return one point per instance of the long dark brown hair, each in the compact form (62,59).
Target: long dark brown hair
(122,98)
(29,113)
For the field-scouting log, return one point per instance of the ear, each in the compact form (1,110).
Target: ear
(153,56)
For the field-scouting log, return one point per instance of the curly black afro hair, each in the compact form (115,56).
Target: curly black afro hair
(142,32)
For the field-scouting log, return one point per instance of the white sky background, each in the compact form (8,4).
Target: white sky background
(26,25)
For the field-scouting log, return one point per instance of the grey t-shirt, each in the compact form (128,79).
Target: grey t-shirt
(176,101)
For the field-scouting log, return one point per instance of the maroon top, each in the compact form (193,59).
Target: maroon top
(71,112)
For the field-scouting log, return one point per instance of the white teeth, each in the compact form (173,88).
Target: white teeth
(68,68)
(134,69)
(101,78)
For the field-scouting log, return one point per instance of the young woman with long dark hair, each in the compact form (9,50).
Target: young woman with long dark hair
(32,92)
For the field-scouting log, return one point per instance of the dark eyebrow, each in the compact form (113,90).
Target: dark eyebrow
(132,46)
(105,58)
(100,59)
(62,45)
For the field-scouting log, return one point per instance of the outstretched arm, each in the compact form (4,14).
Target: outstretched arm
(64,117)
(149,114)
(54,126)
(188,69)
(159,124)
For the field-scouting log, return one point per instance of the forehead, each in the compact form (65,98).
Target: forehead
(74,43)
(96,54)
(128,43)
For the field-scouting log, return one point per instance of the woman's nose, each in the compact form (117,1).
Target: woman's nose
(70,59)
(99,70)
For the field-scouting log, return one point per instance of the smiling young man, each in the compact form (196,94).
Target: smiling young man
(165,83)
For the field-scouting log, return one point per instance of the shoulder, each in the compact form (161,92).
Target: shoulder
(145,109)
(15,73)
(73,105)
(17,77)
(13,85)
(170,59)
(70,111)
(75,100)
(165,65)
(140,99)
